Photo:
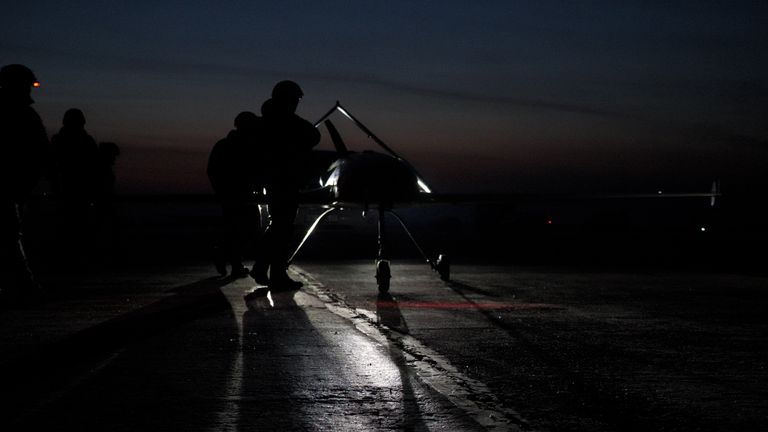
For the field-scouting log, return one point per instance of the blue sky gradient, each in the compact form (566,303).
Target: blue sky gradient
(481,96)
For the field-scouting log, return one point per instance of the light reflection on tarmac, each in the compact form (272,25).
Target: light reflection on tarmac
(497,348)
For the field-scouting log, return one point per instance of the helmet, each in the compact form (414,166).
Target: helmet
(287,90)
(16,75)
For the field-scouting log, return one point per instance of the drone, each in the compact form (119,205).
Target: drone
(382,181)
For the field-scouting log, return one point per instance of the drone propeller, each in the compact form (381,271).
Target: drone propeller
(338,143)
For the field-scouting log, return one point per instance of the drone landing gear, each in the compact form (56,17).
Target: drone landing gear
(383,274)
(310,231)
(383,271)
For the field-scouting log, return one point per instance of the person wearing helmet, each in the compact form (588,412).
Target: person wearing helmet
(288,141)
(24,146)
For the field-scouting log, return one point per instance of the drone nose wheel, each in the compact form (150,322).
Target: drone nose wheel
(383,275)
(443,267)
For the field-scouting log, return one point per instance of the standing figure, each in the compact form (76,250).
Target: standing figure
(229,167)
(24,146)
(75,181)
(288,140)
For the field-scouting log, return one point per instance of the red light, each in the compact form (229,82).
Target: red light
(35,84)
(549,221)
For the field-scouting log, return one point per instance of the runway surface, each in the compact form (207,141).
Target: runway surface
(496,348)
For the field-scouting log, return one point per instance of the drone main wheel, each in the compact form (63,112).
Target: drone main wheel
(443,266)
(383,275)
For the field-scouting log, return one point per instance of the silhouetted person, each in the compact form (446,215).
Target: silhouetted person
(23,157)
(75,181)
(288,140)
(76,158)
(230,165)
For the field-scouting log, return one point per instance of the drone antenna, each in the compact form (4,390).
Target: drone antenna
(328,114)
(365,130)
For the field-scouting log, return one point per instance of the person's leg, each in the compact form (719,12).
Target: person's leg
(236,220)
(18,280)
(263,247)
(282,217)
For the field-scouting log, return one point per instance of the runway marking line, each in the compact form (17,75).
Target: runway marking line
(468,394)
(464,305)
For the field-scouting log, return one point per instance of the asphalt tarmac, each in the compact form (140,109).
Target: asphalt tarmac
(141,347)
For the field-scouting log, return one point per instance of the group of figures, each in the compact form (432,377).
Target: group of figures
(264,156)
(79,171)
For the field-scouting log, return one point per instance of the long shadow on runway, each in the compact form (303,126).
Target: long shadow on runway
(418,414)
(270,398)
(297,376)
(51,379)
(388,313)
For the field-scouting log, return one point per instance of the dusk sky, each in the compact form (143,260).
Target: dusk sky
(478,95)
